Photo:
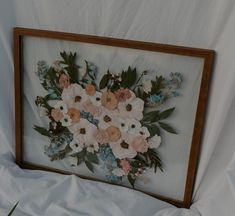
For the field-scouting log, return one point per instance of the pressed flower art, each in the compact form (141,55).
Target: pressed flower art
(113,122)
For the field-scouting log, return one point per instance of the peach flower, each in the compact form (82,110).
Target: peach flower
(123,94)
(74,114)
(114,133)
(56,114)
(94,110)
(101,136)
(125,166)
(109,100)
(140,144)
(90,89)
(64,81)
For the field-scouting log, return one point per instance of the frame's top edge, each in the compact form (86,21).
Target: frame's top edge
(110,41)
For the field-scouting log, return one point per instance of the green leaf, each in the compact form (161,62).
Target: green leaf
(165,114)
(128,77)
(13,209)
(150,116)
(157,85)
(92,158)
(89,166)
(42,131)
(153,129)
(104,81)
(131,180)
(167,127)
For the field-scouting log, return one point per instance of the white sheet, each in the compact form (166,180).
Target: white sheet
(202,23)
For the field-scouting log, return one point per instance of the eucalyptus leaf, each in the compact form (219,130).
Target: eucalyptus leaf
(89,166)
(128,77)
(43,131)
(92,158)
(165,114)
(153,129)
(167,127)
(104,81)
(150,116)
(131,180)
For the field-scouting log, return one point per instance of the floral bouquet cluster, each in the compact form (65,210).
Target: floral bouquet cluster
(115,123)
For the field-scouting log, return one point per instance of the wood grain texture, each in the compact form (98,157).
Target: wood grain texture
(207,55)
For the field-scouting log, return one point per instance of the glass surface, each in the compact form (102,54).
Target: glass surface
(174,148)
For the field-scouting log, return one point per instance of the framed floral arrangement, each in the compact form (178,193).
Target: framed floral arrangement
(126,112)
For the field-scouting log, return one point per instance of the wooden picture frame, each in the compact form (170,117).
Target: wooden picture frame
(23,38)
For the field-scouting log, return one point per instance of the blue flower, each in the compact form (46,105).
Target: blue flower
(157,98)
(114,179)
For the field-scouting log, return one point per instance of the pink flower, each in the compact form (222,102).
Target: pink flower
(89,107)
(123,94)
(140,144)
(64,81)
(56,114)
(101,136)
(125,166)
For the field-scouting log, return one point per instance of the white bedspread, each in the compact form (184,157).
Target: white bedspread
(202,23)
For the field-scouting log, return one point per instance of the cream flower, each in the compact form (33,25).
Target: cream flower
(122,148)
(90,89)
(155,141)
(114,133)
(147,86)
(109,100)
(118,172)
(96,99)
(83,131)
(74,96)
(101,136)
(60,105)
(144,132)
(131,109)
(76,147)
(107,118)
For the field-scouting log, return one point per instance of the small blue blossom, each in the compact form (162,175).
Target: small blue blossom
(42,70)
(89,117)
(114,179)
(159,98)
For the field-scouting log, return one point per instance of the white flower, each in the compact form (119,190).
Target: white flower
(123,125)
(74,96)
(147,86)
(83,131)
(92,146)
(107,118)
(122,148)
(76,147)
(61,106)
(96,99)
(118,172)
(66,121)
(133,126)
(155,141)
(144,132)
(131,109)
